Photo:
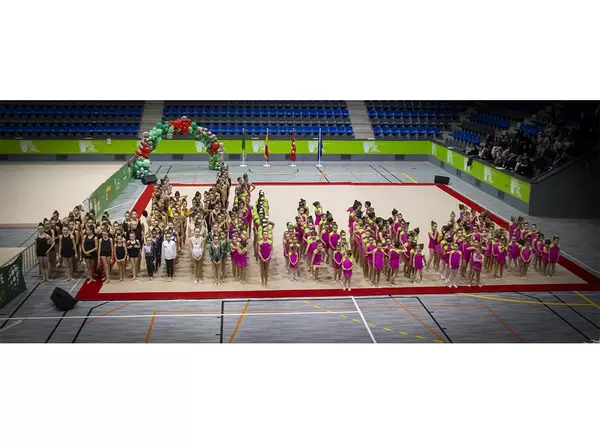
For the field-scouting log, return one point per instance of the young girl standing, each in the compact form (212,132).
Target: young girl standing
(197,250)
(43,244)
(337,259)
(89,248)
(502,253)
(133,252)
(394,262)
(476,264)
(294,257)
(434,240)
(121,256)
(215,257)
(553,256)
(378,255)
(525,258)
(317,259)
(66,249)
(454,262)
(148,255)
(418,263)
(347,271)
(265,250)
(242,260)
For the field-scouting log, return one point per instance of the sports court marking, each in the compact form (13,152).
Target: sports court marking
(364,321)
(504,323)
(588,300)
(239,322)
(419,320)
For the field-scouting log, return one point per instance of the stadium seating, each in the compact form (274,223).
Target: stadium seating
(393,119)
(488,119)
(467,136)
(70,119)
(281,118)
(530,129)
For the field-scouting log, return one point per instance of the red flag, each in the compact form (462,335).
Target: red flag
(267,146)
(293,150)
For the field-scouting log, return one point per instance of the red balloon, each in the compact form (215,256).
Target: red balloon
(215,146)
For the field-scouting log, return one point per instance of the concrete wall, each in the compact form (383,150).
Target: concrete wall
(571,193)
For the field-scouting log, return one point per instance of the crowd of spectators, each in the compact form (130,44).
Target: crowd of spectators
(559,141)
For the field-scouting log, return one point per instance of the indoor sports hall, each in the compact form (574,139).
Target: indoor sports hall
(561,309)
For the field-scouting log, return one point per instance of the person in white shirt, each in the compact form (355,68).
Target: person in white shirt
(169,253)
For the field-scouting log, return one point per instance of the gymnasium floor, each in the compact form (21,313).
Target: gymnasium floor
(481,317)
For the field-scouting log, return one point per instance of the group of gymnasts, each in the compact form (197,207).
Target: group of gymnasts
(466,245)
(318,242)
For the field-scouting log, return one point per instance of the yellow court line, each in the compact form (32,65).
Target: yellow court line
(316,306)
(372,325)
(403,333)
(420,337)
(410,178)
(520,301)
(437,340)
(306,302)
(356,320)
(387,329)
(343,316)
(587,299)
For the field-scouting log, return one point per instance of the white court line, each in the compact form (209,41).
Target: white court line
(183,315)
(122,204)
(8,327)
(75,285)
(364,320)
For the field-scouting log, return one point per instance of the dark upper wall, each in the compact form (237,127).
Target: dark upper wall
(571,193)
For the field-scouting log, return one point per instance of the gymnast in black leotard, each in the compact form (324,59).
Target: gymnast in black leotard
(66,250)
(106,253)
(133,251)
(43,243)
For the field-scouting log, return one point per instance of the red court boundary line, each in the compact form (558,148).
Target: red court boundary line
(325,184)
(91,291)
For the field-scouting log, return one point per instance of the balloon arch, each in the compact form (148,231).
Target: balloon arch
(183,126)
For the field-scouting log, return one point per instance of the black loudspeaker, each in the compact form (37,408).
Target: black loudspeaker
(150,178)
(444,180)
(62,299)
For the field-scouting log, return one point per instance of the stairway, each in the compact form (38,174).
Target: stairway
(359,118)
(153,113)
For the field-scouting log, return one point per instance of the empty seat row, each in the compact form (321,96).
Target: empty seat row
(20,120)
(467,136)
(72,111)
(409,113)
(408,104)
(244,112)
(342,130)
(405,130)
(492,120)
(67,128)
(262,104)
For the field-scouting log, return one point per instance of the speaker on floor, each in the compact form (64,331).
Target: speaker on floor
(62,299)
(150,178)
(444,180)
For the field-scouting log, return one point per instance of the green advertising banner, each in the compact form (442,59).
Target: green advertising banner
(189,146)
(12,282)
(109,190)
(485,173)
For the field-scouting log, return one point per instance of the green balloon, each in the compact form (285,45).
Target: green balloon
(146,163)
